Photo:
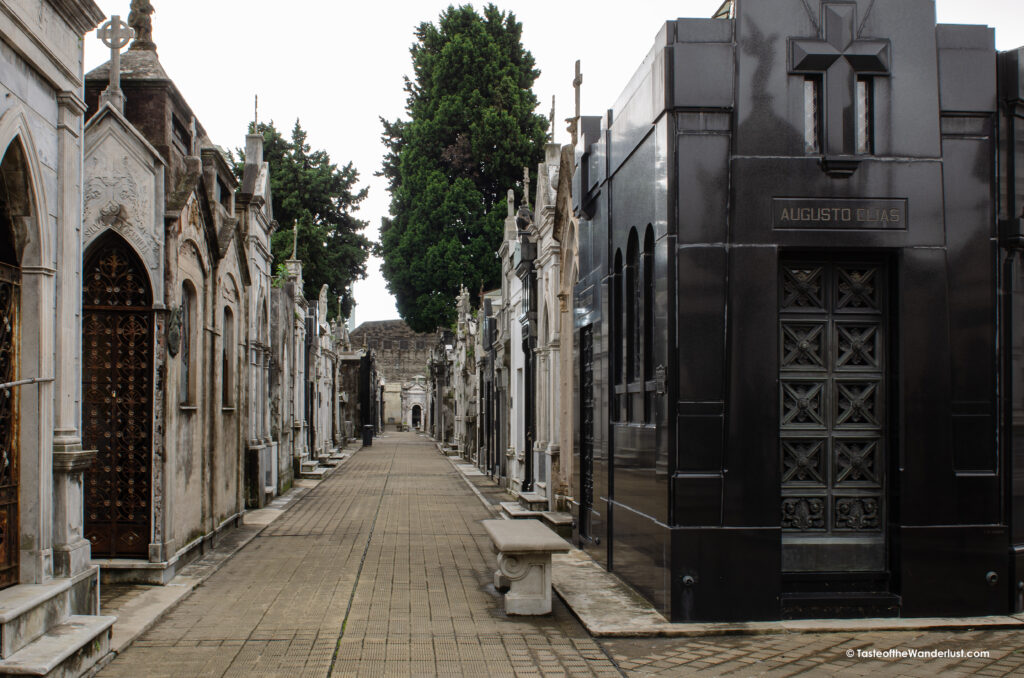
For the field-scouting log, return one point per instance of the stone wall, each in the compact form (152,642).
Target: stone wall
(401,353)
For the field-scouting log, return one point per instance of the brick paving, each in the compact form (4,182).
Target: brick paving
(820,654)
(383,569)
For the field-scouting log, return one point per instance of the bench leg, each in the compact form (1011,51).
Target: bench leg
(529,577)
(501,582)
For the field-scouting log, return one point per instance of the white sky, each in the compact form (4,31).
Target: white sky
(339,65)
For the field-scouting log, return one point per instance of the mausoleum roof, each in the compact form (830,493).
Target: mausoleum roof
(136,65)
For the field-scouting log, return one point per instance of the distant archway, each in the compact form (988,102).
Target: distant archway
(417,416)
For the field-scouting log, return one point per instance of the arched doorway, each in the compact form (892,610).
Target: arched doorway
(12,167)
(117,393)
(417,415)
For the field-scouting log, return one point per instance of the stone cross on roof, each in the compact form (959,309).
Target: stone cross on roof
(551,120)
(295,240)
(574,122)
(115,34)
(141,19)
(526,187)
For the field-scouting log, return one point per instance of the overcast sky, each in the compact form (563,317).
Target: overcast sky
(339,65)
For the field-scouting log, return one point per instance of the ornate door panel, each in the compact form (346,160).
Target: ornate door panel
(117,385)
(586,428)
(10,303)
(832,419)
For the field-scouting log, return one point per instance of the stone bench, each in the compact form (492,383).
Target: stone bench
(524,549)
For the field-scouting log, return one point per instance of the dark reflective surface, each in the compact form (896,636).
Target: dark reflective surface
(705,140)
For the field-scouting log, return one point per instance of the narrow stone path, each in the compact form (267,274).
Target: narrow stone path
(382,569)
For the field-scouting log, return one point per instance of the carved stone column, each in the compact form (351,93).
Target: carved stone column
(70,548)
(265,393)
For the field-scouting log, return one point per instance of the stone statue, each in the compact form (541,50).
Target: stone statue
(321,305)
(140,19)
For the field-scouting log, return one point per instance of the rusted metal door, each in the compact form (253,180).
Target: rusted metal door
(117,392)
(10,303)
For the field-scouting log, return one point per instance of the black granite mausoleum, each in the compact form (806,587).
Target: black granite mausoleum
(796,227)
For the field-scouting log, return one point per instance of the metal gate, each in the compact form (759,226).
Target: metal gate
(832,418)
(117,391)
(586,430)
(10,304)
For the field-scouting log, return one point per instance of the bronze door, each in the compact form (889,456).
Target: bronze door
(832,415)
(117,385)
(10,302)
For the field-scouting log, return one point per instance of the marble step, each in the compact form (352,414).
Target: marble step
(67,650)
(313,473)
(534,501)
(28,610)
(558,521)
(839,605)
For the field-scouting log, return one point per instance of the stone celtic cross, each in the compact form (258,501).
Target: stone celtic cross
(115,34)
(839,59)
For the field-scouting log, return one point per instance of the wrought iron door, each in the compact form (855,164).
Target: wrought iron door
(832,420)
(10,304)
(117,390)
(586,429)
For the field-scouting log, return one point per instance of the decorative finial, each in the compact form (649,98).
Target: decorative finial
(511,202)
(574,122)
(115,34)
(526,187)
(256,113)
(551,120)
(295,240)
(140,18)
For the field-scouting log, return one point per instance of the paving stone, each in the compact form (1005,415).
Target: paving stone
(278,606)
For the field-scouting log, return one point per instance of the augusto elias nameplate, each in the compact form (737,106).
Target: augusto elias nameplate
(841,214)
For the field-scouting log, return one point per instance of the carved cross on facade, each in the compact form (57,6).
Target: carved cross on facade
(839,59)
(115,34)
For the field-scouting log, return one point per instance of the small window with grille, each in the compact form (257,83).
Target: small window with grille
(865,116)
(812,115)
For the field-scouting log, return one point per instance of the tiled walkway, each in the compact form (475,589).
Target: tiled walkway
(383,569)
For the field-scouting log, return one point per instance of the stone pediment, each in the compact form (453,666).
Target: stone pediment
(81,15)
(123,190)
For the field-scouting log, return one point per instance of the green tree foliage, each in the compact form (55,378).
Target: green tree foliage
(471,130)
(308,190)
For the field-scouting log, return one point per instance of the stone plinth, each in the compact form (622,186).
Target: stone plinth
(524,549)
